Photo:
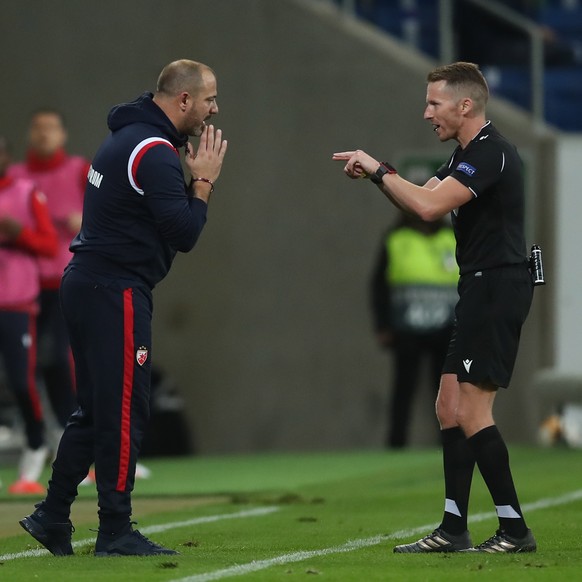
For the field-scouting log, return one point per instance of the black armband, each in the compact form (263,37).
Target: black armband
(383,168)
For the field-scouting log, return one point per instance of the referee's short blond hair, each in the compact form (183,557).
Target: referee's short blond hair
(465,79)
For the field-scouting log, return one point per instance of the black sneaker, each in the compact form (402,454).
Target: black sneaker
(437,541)
(133,543)
(55,537)
(501,543)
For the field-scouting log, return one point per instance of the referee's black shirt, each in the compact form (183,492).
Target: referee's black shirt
(490,228)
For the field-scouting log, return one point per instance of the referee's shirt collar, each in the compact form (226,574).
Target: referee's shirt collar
(488,123)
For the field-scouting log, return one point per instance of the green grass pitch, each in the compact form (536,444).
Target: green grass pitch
(324,516)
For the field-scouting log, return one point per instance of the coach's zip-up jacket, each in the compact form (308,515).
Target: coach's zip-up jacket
(137,212)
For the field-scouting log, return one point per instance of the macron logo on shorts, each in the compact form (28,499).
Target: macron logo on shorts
(467,364)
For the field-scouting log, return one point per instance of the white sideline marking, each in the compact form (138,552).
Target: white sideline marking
(352,545)
(155,529)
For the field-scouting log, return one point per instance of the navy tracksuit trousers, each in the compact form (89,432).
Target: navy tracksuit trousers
(109,324)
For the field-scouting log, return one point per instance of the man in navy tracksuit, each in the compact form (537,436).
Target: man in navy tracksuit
(137,214)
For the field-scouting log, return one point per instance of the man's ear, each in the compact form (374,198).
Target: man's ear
(467,105)
(184,97)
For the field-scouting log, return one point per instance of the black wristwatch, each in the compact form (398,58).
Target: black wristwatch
(383,168)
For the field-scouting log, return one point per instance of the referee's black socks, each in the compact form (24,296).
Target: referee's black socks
(492,459)
(458,464)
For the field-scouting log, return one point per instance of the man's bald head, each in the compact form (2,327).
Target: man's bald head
(181,76)
(186,93)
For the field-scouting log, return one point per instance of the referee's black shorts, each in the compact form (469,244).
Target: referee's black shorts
(493,305)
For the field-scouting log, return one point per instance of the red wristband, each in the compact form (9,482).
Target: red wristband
(205,180)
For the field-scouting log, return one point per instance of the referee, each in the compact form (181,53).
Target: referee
(481,185)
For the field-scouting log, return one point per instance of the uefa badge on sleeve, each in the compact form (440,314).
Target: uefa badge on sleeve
(141,355)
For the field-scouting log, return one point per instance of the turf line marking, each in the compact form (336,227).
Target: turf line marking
(258,511)
(350,546)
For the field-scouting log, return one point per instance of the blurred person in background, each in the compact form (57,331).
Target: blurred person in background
(61,177)
(26,233)
(413,293)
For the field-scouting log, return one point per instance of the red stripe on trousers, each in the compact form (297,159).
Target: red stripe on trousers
(31,372)
(128,351)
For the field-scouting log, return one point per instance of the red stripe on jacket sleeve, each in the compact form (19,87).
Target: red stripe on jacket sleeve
(142,153)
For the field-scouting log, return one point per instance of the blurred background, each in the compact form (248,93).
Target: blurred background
(265,328)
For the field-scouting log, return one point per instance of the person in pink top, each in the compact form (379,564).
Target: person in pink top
(26,233)
(61,177)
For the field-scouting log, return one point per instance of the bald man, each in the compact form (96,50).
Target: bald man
(138,213)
